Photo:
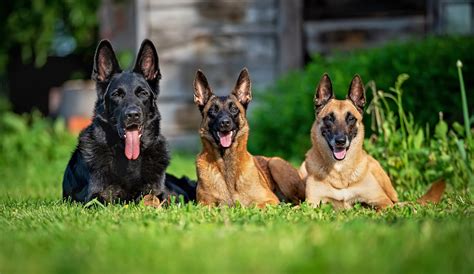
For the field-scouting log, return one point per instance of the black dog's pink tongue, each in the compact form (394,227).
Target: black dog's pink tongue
(132,144)
(225,138)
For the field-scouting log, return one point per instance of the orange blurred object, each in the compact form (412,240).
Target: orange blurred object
(77,123)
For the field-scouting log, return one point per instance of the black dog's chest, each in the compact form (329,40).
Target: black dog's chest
(127,171)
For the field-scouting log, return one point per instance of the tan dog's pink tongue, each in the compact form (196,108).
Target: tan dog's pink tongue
(225,138)
(340,154)
(132,144)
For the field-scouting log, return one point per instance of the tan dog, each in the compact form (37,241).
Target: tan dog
(337,170)
(227,172)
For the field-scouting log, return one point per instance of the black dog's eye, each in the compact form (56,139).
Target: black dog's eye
(234,110)
(118,93)
(141,93)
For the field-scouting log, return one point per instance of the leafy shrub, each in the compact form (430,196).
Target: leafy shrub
(282,121)
(34,151)
(33,26)
(413,155)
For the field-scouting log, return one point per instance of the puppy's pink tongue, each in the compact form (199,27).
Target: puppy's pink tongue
(225,138)
(340,154)
(132,144)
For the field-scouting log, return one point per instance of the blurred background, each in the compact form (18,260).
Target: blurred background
(47,47)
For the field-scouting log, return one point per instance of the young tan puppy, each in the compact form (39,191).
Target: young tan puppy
(337,169)
(227,172)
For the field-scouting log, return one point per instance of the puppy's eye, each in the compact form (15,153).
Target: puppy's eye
(141,93)
(118,93)
(233,109)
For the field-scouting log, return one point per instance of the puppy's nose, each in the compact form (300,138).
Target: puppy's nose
(133,114)
(340,140)
(225,123)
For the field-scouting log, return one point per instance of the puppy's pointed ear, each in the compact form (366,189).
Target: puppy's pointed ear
(323,93)
(105,63)
(202,90)
(243,88)
(147,64)
(357,93)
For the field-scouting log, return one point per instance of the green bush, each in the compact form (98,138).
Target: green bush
(282,121)
(412,154)
(34,152)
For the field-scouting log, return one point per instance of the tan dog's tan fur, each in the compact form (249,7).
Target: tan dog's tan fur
(232,175)
(356,178)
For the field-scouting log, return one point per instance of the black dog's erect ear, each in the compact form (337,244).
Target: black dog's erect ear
(323,93)
(243,88)
(147,64)
(105,63)
(357,93)
(202,91)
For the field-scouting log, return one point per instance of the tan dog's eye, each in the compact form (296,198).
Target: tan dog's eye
(329,119)
(234,110)
(213,110)
(350,119)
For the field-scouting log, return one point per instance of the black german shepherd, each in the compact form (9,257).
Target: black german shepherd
(122,155)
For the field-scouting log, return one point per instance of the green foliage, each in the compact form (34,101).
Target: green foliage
(286,110)
(33,25)
(34,152)
(411,152)
(39,233)
(49,236)
(25,137)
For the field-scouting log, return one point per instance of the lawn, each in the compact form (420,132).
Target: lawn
(41,234)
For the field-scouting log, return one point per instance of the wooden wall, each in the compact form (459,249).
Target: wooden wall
(219,37)
(269,37)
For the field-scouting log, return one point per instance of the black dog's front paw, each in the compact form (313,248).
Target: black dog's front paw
(112,194)
(152,200)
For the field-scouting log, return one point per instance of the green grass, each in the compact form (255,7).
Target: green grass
(41,234)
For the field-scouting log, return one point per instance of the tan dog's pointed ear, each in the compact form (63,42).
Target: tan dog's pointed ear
(323,93)
(357,93)
(202,91)
(243,89)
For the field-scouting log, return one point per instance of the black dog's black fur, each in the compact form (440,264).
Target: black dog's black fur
(99,167)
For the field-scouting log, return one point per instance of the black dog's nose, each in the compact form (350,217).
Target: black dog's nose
(340,140)
(133,114)
(225,123)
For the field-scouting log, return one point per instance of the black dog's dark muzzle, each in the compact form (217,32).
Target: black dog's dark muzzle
(132,116)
